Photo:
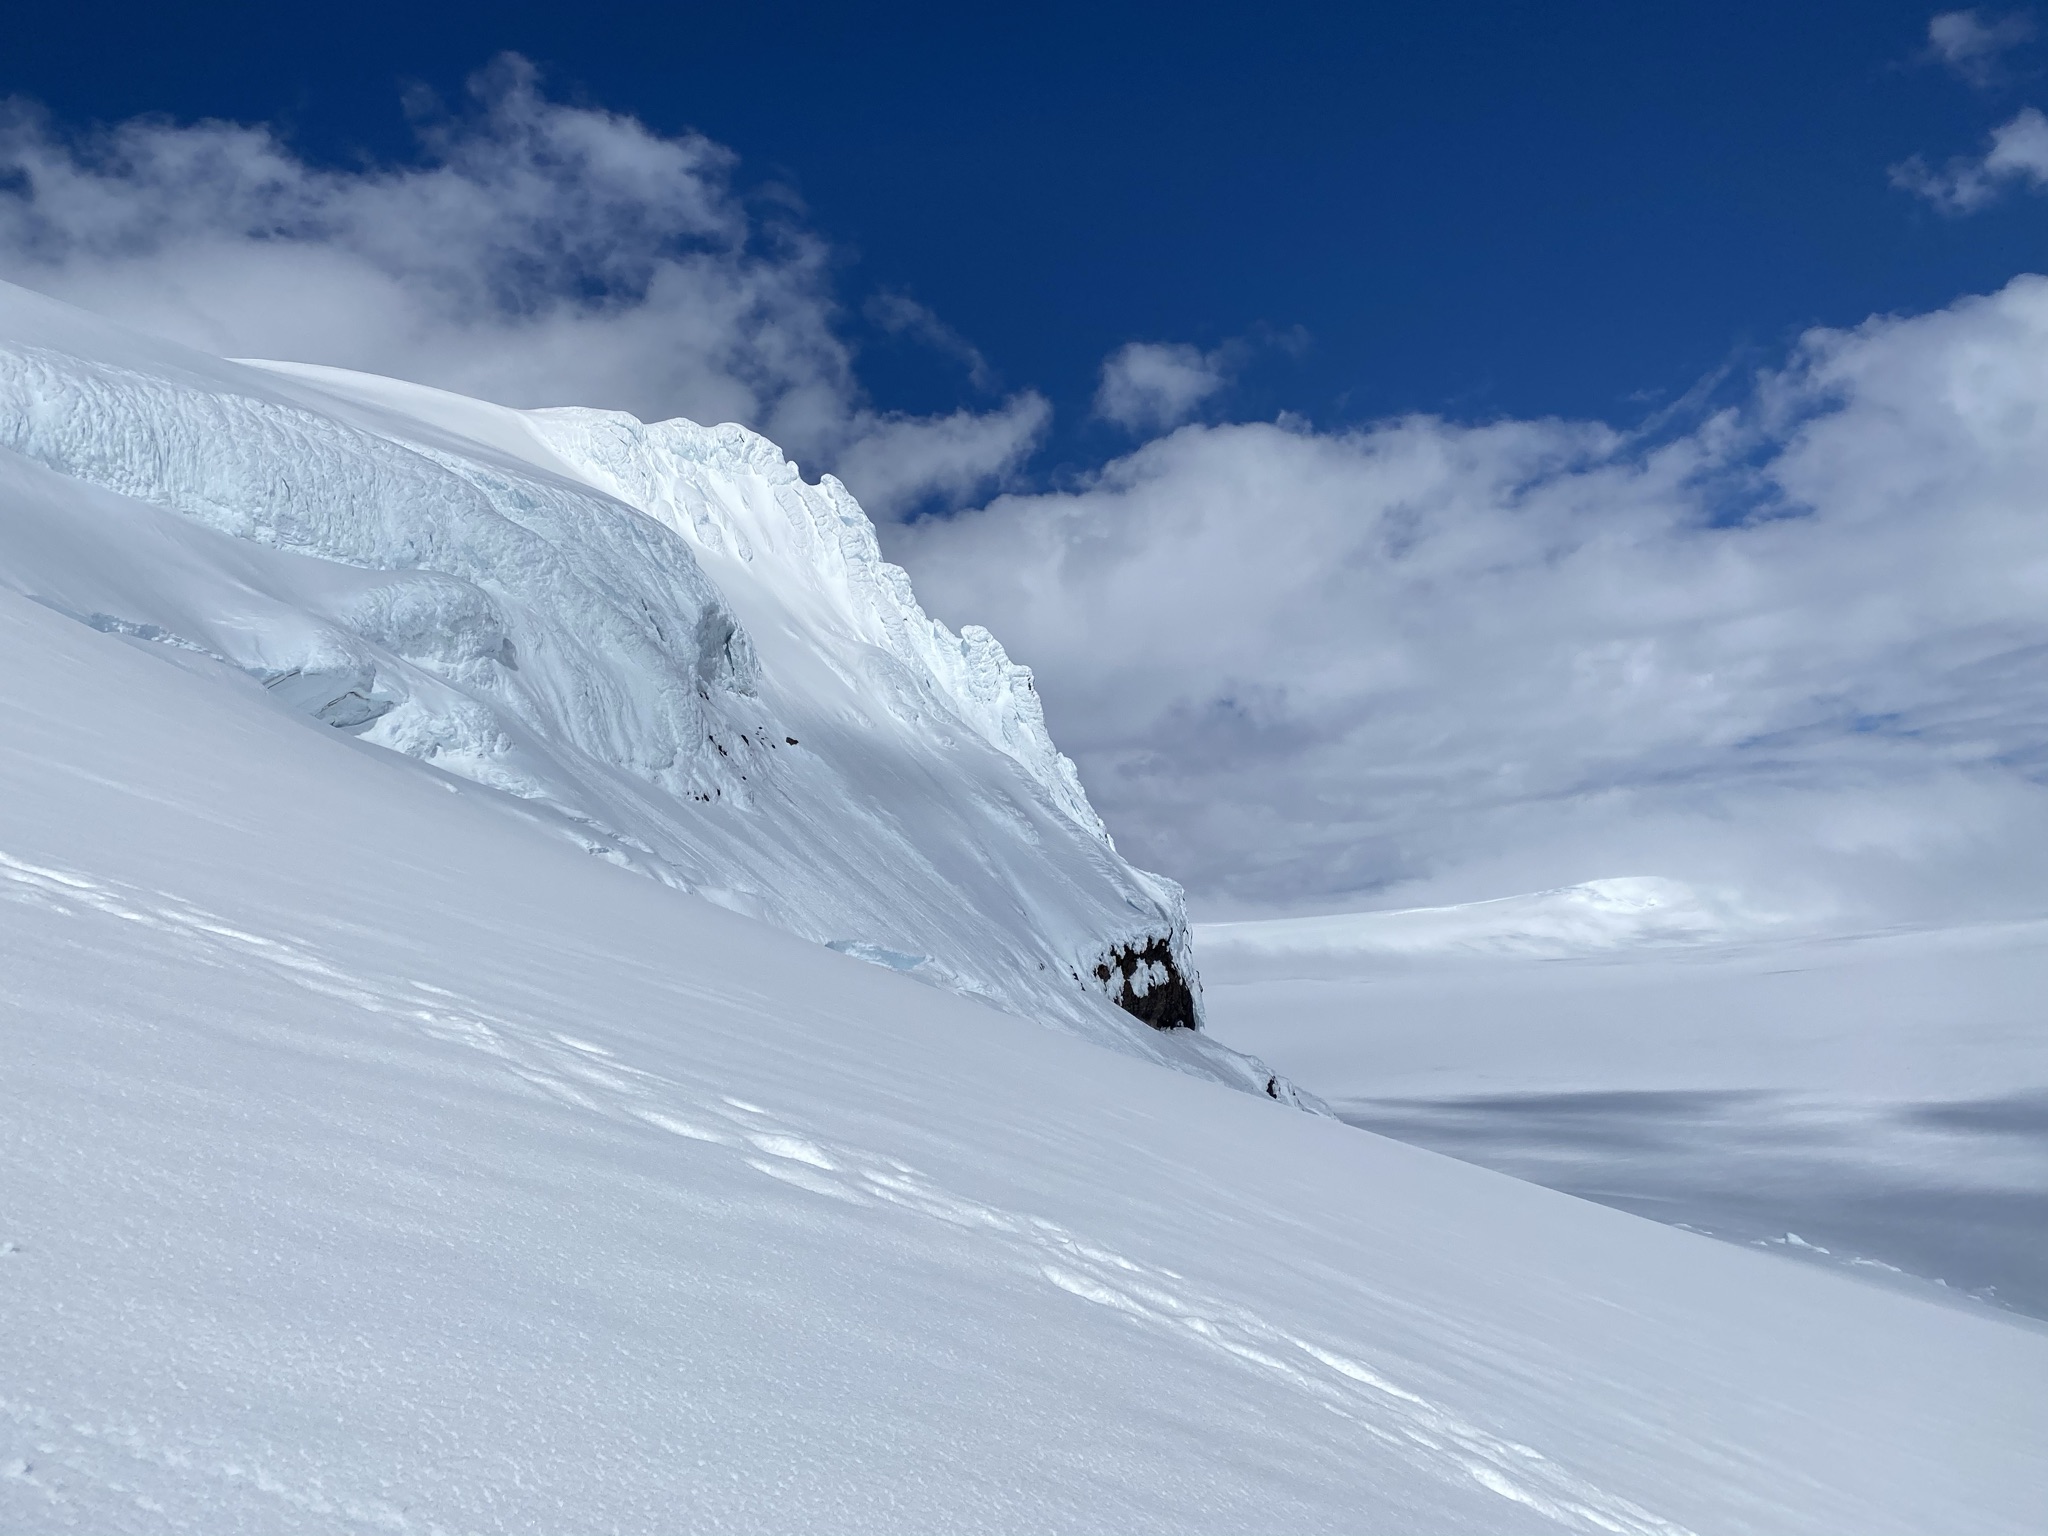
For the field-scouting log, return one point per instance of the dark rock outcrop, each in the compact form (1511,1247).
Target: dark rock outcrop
(1144,981)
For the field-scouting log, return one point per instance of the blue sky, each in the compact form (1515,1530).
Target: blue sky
(1426,453)
(1481,210)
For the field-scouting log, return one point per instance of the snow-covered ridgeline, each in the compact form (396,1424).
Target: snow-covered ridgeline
(734,496)
(659,639)
(805,557)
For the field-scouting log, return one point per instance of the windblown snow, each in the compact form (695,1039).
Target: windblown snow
(395,1142)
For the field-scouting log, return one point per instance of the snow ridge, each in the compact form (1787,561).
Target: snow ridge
(728,489)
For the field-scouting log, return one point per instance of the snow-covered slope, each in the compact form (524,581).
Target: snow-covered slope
(375,1165)
(658,642)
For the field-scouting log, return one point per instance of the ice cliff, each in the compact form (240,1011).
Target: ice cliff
(657,640)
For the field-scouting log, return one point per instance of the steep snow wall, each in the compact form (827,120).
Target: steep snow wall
(657,640)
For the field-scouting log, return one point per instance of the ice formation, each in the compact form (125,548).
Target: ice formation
(658,640)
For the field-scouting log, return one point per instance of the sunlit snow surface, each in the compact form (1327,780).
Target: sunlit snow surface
(1877,1101)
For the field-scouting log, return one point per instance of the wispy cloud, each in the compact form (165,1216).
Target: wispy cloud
(536,254)
(2017,156)
(1975,46)
(900,315)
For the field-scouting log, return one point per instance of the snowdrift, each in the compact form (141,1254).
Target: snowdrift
(656,641)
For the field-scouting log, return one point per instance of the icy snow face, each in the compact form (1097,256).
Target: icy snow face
(659,638)
(741,504)
(619,636)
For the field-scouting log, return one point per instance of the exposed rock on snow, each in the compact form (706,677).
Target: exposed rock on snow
(1148,984)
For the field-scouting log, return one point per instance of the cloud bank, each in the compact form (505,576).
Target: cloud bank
(539,254)
(1798,651)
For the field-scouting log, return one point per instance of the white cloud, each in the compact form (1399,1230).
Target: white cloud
(1148,385)
(1800,650)
(540,254)
(1972,46)
(899,460)
(2018,153)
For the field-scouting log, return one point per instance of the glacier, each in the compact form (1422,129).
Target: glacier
(658,641)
